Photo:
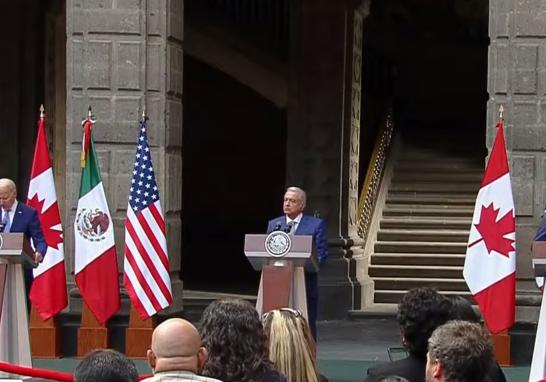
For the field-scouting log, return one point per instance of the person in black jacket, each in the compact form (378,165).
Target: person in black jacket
(420,311)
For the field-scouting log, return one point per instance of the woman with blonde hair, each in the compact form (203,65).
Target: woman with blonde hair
(291,345)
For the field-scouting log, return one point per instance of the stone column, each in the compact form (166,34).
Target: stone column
(517,80)
(122,55)
(323,134)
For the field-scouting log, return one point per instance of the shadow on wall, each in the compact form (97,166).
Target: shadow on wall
(234,159)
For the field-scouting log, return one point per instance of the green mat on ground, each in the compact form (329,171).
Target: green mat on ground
(335,370)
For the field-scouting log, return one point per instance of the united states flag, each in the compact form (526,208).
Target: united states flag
(146,265)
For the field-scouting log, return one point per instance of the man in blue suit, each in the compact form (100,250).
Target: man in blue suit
(18,217)
(295,222)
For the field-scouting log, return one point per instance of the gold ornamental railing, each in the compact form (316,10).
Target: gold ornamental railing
(374,174)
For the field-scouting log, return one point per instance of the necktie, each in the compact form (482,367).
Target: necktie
(8,221)
(293,225)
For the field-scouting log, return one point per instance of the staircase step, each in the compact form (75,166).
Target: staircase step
(425,222)
(424,210)
(403,259)
(449,188)
(394,283)
(430,199)
(416,175)
(423,235)
(419,247)
(416,271)
(394,296)
(428,165)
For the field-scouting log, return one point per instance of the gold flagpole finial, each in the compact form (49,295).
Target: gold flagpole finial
(144,112)
(501,112)
(89,112)
(42,111)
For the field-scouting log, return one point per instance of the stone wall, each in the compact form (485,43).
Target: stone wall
(517,80)
(123,55)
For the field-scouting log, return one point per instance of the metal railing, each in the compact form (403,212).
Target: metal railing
(374,175)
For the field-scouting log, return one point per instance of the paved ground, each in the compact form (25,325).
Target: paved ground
(345,350)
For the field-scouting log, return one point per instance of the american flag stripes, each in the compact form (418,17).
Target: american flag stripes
(146,265)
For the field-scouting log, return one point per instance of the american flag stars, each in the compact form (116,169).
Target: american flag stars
(144,173)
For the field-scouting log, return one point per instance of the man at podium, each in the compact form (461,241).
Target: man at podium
(294,222)
(18,217)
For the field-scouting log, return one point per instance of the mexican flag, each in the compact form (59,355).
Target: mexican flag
(96,268)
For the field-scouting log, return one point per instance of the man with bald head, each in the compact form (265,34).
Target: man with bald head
(176,353)
(18,217)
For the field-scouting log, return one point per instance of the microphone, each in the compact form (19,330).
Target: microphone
(277,227)
(288,227)
(4,222)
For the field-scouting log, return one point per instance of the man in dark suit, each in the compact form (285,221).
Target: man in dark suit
(296,223)
(18,217)
(420,311)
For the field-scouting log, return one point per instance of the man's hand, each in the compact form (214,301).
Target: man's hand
(38,258)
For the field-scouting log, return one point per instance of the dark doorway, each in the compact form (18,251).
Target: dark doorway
(234,150)
(428,60)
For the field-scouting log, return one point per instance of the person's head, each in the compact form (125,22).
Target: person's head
(459,351)
(233,334)
(176,345)
(106,365)
(391,378)
(291,345)
(8,193)
(294,202)
(461,309)
(420,311)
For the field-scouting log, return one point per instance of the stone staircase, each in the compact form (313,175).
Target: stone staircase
(424,227)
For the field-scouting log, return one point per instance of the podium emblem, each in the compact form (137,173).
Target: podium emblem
(278,243)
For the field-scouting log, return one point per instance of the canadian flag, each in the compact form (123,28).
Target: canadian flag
(48,291)
(490,263)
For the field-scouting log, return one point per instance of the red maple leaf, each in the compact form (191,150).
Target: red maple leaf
(48,219)
(493,231)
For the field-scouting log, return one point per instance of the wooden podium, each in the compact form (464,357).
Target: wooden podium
(15,251)
(283,260)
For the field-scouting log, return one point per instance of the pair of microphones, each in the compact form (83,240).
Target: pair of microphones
(286,229)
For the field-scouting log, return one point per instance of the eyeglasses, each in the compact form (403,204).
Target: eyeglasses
(296,313)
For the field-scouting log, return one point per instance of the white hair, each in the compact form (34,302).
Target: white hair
(300,192)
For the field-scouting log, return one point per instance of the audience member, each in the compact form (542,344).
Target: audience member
(461,309)
(391,378)
(235,339)
(420,311)
(106,365)
(176,353)
(459,351)
(291,345)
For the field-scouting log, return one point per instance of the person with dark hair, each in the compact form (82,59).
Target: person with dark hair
(461,309)
(459,351)
(106,365)
(233,334)
(420,311)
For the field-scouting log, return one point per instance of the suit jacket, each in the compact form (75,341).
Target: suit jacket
(25,220)
(308,225)
(412,368)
